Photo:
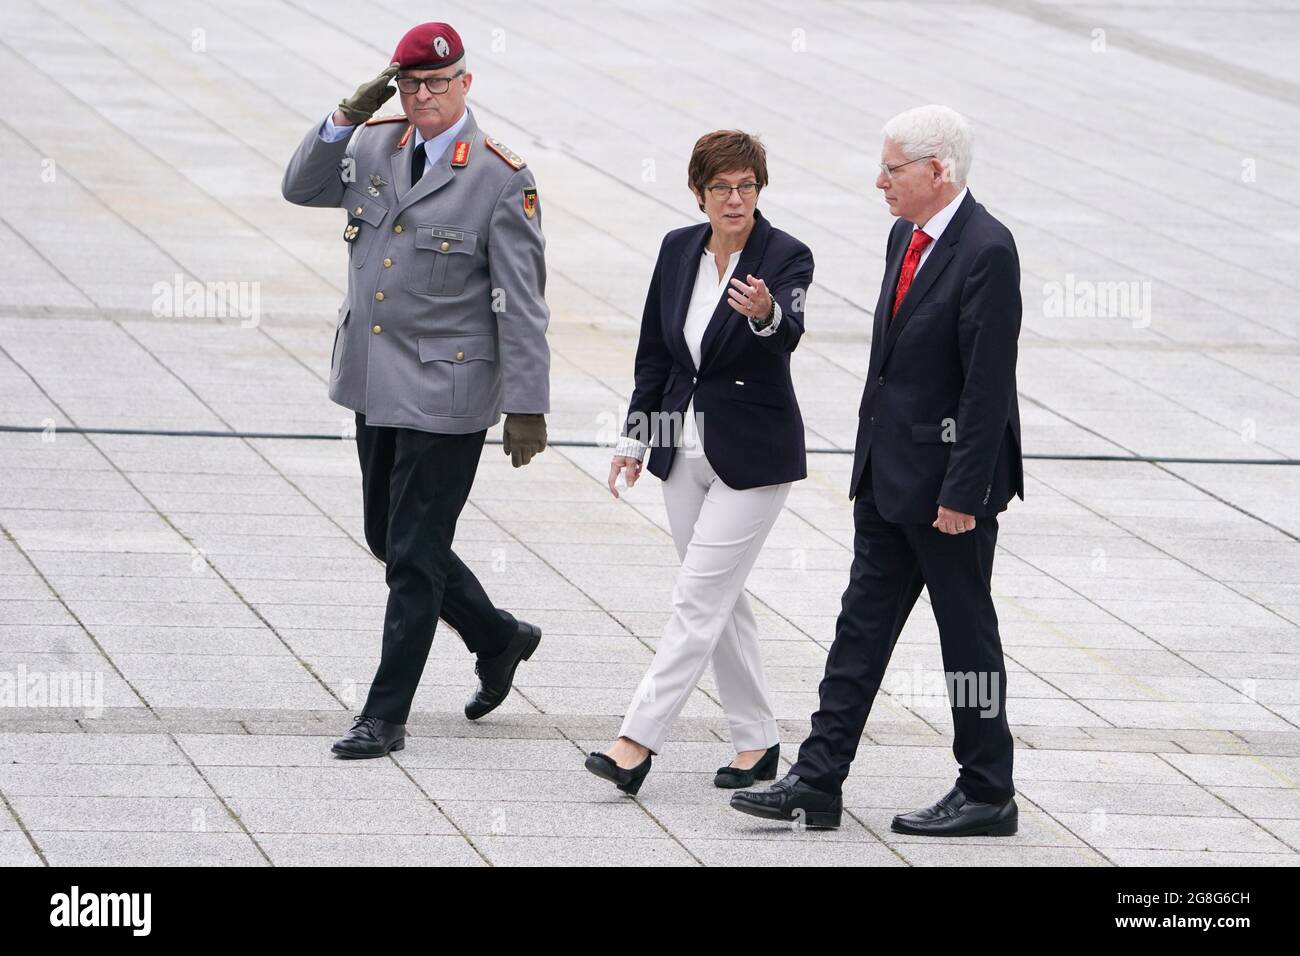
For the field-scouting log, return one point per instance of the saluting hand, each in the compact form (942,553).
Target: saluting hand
(370,95)
(751,298)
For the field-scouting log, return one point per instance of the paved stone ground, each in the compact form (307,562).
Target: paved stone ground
(220,587)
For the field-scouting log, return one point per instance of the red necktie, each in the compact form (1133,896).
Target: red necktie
(911,259)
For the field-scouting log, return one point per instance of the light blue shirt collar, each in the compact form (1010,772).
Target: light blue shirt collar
(435,147)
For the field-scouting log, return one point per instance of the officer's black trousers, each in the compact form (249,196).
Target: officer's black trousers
(891,563)
(414,485)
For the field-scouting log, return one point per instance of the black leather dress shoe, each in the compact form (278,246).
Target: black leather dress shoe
(495,674)
(792,799)
(370,737)
(627,780)
(733,778)
(955,815)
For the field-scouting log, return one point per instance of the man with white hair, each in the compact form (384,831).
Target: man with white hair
(937,458)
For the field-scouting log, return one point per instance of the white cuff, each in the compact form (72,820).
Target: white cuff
(770,328)
(330,133)
(629,447)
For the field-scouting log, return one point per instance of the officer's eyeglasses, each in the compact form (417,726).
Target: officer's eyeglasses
(434,84)
(722,192)
(890,170)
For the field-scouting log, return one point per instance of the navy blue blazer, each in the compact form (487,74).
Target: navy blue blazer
(750,425)
(939,418)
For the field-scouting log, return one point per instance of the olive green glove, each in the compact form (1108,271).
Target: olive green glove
(525,436)
(370,95)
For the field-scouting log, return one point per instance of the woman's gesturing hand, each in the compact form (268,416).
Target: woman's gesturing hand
(751,299)
(631,468)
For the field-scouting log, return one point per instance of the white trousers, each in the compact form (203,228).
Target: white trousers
(719,532)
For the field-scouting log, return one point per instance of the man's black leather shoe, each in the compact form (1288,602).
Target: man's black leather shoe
(495,674)
(792,799)
(955,815)
(370,737)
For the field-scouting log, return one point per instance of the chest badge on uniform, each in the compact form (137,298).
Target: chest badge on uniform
(530,202)
(460,155)
(375,182)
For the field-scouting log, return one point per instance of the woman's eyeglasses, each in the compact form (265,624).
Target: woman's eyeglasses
(722,192)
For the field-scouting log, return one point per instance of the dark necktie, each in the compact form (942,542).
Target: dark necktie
(417,164)
(911,259)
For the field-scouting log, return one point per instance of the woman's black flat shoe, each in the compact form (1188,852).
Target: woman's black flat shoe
(629,781)
(733,778)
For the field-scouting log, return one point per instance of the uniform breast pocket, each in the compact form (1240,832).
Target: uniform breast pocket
(371,213)
(456,373)
(444,259)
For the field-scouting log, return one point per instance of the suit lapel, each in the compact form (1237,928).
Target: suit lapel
(925,277)
(750,256)
(880,321)
(440,172)
(401,160)
(688,268)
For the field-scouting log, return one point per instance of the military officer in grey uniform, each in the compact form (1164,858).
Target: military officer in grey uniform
(443,328)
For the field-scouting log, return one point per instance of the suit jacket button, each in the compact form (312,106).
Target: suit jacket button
(379,297)
(388,263)
(377,329)
(445,246)
(397,228)
(881,380)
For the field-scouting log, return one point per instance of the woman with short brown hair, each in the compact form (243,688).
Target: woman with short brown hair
(714,398)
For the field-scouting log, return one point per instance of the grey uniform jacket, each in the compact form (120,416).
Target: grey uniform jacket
(444,322)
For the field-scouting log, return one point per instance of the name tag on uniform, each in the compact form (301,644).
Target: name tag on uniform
(447,234)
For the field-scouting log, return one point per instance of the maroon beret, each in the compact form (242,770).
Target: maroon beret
(428,46)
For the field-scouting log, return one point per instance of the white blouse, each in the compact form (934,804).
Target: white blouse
(708,290)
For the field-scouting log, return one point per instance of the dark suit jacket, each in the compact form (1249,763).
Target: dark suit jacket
(750,424)
(939,418)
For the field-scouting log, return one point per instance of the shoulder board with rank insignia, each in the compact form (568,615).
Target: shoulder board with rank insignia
(385,119)
(505,152)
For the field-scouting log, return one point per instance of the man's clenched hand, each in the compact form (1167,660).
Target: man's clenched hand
(525,436)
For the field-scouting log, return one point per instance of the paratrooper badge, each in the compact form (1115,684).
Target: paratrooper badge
(375,182)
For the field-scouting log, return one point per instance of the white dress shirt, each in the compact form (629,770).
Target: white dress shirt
(936,224)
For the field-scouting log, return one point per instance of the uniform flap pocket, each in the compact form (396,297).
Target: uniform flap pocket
(760,393)
(447,239)
(458,348)
(928,434)
(366,208)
